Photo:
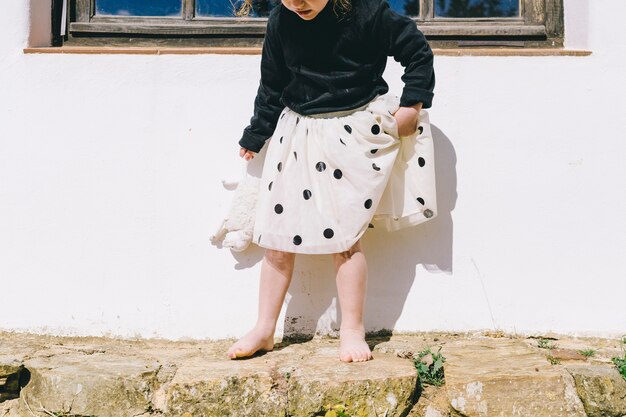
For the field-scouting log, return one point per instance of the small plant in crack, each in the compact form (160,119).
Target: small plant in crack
(587,353)
(620,363)
(430,366)
(553,360)
(543,343)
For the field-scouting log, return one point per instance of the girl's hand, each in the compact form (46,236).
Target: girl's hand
(246,154)
(407,119)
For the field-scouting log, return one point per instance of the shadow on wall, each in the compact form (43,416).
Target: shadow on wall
(40,23)
(392,259)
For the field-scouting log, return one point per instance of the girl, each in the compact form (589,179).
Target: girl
(335,133)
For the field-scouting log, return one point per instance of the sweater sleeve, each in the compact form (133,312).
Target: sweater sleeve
(267,104)
(400,38)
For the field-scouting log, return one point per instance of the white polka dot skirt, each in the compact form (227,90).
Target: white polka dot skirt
(327,178)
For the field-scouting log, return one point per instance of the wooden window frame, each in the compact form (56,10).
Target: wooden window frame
(540,25)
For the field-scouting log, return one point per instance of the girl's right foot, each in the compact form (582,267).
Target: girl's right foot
(257,339)
(352,346)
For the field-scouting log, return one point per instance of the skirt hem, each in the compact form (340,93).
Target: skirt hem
(393,224)
(269,242)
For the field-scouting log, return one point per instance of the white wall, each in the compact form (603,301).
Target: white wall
(110,169)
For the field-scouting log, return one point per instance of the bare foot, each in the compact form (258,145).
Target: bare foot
(353,347)
(257,339)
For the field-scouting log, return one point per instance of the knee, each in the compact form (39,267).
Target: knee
(279,259)
(342,257)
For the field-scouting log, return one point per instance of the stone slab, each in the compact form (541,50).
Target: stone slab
(99,384)
(504,377)
(208,387)
(300,379)
(385,386)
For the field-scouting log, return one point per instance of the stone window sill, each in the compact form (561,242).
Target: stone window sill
(468,51)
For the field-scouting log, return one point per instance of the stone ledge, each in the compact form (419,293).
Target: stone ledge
(468,51)
(487,374)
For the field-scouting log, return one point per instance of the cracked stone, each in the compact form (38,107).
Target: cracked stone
(601,389)
(10,374)
(433,402)
(238,388)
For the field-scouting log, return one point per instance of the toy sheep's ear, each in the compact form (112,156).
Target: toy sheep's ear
(230,184)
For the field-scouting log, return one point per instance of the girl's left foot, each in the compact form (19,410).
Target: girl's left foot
(353,347)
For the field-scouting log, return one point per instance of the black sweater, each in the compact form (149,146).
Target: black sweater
(329,64)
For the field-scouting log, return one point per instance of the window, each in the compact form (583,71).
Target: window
(446,23)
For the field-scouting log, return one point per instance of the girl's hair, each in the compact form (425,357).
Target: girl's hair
(340,7)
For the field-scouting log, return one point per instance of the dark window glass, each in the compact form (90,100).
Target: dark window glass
(476,8)
(406,7)
(139,7)
(260,8)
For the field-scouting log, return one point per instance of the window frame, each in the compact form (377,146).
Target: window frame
(540,24)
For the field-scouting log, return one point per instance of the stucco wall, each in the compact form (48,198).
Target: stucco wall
(110,169)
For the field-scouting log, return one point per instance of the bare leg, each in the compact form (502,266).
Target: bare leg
(352,286)
(276,272)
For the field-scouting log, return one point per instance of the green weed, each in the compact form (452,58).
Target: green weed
(430,366)
(620,363)
(544,343)
(553,360)
(587,352)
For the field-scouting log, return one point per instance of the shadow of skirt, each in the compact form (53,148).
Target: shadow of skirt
(329,177)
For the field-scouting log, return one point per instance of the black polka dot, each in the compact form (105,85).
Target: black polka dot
(421,161)
(278,208)
(307,131)
(368,203)
(337,174)
(371,226)
(421,200)
(297,240)
(259,239)
(297,120)
(374,151)
(270,186)
(376,167)
(280,166)
(283,115)
(295,155)
(348,128)
(420,129)
(328,233)
(342,142)
(375,129)
(306,194)
(281,139)
(320,166)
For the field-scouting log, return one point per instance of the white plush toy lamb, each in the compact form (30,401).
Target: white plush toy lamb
(235,231)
